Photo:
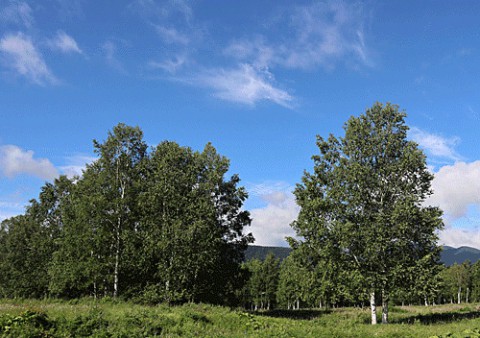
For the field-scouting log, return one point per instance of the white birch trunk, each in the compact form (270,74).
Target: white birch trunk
(373,308)
(118,232)
(459,295)
(117,259)
(384,307)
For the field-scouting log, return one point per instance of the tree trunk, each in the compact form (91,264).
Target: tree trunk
(466,298)
(384,307)
(459,295)
(426,300)
(117,259)
(373,308)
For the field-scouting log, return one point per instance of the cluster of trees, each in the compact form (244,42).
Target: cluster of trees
(167,225)
(294,283)
(460,283)
(260,291)
(163,224)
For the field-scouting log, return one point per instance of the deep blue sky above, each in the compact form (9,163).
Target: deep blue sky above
(258,79)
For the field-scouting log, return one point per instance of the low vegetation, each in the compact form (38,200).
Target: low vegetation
(109,318)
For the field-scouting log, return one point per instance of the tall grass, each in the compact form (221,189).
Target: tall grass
(108,318)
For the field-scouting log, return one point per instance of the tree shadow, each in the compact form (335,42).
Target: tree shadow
(435,318)
(293,314)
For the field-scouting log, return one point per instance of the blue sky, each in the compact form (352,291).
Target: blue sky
(258,79)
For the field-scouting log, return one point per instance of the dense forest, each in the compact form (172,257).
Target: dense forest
(165,225)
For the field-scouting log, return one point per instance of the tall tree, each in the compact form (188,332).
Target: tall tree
(193,223)
(363,203)
(103,218)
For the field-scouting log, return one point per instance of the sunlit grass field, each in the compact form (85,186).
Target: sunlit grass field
(87,318)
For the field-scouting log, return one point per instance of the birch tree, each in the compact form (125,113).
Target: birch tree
(193,221)
(363,203)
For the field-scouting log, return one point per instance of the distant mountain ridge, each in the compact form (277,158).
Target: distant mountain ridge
(449,255)
(459,255)
(260,252)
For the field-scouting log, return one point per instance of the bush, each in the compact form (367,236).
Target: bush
(29,323)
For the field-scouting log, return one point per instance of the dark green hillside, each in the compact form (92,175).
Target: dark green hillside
(450,255)
(260,252)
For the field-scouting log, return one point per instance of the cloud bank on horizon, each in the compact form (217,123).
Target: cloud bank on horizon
(259,80)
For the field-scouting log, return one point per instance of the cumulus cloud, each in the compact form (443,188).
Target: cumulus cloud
(17,12)
(244,84)
(271,224)
(20,55)
(436,145)
(456,190)
(15,161)
(65,43)
(456,237)
(456,187)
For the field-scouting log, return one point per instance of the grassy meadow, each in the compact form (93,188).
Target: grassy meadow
(86,318)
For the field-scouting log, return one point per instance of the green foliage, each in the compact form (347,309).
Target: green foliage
(159,226)
(361,208)
(261,289)
(27,324)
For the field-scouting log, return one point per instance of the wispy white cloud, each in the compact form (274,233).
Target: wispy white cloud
(172,35)
(69,9)
(64,43)
(76,165)
(436,145)
(268,187)
(15,161)
(271,224)
(153,10)
(244,84)
(109,49)
(20,55)
(9,209)
(326,33)
(323,34)
(256,50)
(17,12)
(172,65)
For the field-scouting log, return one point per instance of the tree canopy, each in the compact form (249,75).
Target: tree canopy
(160,225)
(362,207)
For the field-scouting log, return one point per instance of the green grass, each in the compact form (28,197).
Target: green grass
(86,318)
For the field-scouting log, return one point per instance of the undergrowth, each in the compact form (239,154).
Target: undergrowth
(113,318)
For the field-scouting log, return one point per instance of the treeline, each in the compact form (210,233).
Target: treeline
(160,225)
(289,284)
